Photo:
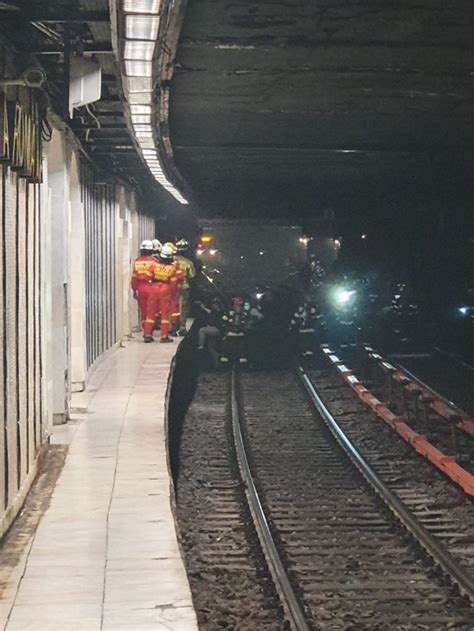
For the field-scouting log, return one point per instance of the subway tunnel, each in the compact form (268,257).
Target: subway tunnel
(129,120)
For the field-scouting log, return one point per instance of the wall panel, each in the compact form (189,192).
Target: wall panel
(20,316)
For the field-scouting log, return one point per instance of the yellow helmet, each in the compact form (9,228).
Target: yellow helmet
(171,245)
(182,245)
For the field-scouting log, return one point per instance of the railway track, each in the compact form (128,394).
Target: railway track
(342,549)
(230,583)
(344,552)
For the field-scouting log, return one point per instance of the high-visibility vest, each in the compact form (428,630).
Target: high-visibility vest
(142,271)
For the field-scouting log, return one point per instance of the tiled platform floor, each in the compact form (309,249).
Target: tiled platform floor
(105,555)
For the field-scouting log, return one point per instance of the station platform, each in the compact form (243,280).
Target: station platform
(104,555)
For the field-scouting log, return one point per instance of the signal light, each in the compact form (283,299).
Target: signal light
(200,246)
(206,239)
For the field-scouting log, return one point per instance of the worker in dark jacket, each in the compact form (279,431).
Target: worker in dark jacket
(210,322)
(234,324)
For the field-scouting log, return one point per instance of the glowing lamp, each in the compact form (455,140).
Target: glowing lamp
(343,297)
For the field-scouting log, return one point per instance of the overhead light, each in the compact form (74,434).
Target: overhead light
(142,6)
(142,128)
(139,98)
(138,68)
(139,84)
(140,109)
(141,118)
(142,26)
(144,134)
(146,143)
(139,50)
(149,152)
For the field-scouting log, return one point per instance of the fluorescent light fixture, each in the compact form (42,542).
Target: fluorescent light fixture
(141,118)
(150,152)
(142,27)
(139,84)
(144,134)
(142,6)
(136,68)
(142,128)
(139,50)
(140,109)
(146,143)
(139,98)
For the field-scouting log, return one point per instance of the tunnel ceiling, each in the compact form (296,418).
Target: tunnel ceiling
(284,107)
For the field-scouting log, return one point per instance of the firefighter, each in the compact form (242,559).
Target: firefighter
(308,326)
(234,326)
(142,276)
(174,294)
(157,245)
(189,271)
(166,276)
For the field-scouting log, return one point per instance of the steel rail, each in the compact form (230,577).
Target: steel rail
(292,608)
(458,574)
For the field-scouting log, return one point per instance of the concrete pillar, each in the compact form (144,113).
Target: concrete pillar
(134,244)
(46,332)
(77,281)
(58,179)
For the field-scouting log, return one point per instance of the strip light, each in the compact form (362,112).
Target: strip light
(143,27)
(142,22)
(142,6)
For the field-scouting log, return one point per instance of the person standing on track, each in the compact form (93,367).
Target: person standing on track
(142,276)
(166,277)
(189,271)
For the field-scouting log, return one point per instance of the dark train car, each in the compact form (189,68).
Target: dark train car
(250,254)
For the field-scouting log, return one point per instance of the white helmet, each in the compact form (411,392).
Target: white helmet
(157,245)
(167,251)
(146,245)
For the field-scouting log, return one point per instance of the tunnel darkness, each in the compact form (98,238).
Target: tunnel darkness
(285,109)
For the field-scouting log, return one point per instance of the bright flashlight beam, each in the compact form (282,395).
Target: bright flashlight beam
(343,296)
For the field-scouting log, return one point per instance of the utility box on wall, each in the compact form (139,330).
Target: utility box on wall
(85,82)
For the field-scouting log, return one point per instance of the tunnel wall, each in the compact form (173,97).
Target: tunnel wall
(68,236)
(23,419)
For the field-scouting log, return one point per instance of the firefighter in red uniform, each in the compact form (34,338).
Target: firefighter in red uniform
(166,277)
(142,276)
(174,295)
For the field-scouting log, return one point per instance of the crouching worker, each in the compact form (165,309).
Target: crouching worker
(142,276)
(166,277)
(209,319)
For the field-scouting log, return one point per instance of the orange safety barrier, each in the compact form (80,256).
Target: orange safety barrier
(448,412)
(447,464)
